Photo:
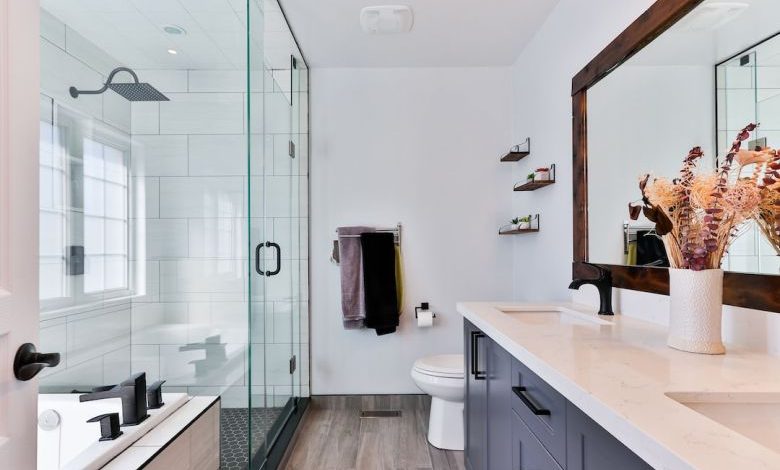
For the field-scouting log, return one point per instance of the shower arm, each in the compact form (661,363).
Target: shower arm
(75,92)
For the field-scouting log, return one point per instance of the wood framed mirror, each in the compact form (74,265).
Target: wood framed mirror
(680,19)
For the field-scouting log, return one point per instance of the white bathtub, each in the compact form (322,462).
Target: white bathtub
(73,443)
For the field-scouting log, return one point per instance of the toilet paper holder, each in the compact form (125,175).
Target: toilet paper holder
(423,306)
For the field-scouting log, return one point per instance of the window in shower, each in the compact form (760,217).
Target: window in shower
(105,218)
(84,225)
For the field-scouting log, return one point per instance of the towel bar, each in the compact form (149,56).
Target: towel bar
(334,257)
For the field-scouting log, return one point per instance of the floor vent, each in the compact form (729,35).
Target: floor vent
(380,414)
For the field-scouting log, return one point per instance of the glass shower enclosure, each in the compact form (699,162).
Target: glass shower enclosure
(174,232)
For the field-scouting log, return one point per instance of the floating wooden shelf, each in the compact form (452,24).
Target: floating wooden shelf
(535,226)
(516,153)
(518,232)
(514,156)
(534,185)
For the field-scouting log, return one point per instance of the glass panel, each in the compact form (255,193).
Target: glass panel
(162,205)
(258,420)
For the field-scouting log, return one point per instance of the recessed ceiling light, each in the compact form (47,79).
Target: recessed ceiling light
(172,51)
(174,29)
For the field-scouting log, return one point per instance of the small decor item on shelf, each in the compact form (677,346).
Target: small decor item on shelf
(542,174)
(521,223)
(697,215)
(530,177)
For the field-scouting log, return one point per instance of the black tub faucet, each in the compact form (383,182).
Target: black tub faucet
(133,394)
(603,283)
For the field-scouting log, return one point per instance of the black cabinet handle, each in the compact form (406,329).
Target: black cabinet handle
(278,259)
(258,250)
(28,362)
(475,336)
(528,401)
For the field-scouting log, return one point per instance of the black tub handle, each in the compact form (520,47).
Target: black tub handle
(528,401)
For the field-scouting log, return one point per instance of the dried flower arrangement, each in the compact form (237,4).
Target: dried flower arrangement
(768,217)
(698,214)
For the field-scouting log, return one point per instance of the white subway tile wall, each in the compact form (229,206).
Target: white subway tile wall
(191,328)
(188,319)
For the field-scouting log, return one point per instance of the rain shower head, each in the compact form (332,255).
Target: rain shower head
(133,91)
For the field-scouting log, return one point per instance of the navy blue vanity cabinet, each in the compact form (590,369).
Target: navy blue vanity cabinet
(476,416)
(499,401)
(527,452)
(589,446)
(542,409)
(515,420)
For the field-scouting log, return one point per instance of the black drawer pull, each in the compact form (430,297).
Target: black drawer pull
(523,395)
(475,336)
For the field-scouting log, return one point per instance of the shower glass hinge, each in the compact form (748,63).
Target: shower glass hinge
(291,149)
(293,364)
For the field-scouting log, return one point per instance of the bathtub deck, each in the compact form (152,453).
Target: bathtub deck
(332,436)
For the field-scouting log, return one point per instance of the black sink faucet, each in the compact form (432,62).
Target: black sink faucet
(603,283)
(133,394)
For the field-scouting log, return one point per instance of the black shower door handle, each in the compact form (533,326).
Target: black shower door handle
(278,259)
(258,251)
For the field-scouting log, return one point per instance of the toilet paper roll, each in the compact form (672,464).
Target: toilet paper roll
(425,319)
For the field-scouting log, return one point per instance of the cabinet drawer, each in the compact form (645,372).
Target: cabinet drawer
(541,408)
(527,452)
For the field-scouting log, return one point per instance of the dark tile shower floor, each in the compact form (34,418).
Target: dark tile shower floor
(234,430)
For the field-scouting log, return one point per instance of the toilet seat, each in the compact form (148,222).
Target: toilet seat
(443,365)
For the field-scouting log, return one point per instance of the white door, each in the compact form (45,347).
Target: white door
(19,88)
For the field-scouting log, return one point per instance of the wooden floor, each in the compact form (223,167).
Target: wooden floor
(333,437)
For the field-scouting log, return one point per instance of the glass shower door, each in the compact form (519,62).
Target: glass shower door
(272,361)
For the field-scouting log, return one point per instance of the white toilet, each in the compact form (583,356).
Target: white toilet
(442,377)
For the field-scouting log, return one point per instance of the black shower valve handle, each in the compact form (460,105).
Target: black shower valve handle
(154,399)
(109,426)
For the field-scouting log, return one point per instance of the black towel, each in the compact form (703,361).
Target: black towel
(379,282)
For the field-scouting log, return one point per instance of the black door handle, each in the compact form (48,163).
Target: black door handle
(258,250)
(528,401)
(278,259)
(28,362)
(475,335)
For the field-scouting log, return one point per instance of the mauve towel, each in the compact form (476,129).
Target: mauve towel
(379,282)
(352,304)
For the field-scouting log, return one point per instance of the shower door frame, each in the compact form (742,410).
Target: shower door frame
(274,446)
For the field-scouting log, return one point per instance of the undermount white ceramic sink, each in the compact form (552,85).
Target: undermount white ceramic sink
(754,415)
(540,315)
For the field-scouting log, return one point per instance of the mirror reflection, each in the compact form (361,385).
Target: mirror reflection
(698,84)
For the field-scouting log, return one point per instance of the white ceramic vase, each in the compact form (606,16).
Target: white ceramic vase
(696,299)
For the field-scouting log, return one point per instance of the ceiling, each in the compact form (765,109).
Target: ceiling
(446,33)
(131,31)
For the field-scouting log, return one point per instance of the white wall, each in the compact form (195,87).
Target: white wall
(421,147)
(575,32)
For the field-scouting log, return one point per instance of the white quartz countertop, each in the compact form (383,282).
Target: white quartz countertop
(620,374)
